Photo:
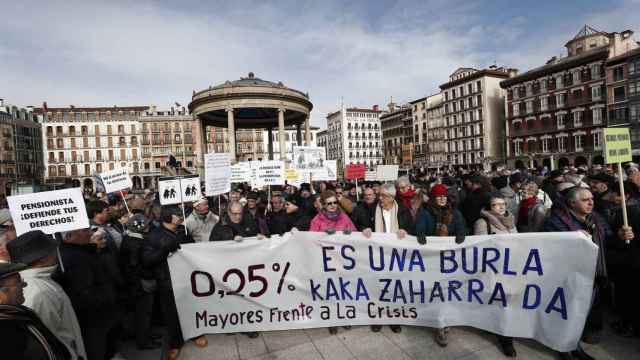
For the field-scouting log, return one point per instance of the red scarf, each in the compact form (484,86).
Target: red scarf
(525,205)
(405,197)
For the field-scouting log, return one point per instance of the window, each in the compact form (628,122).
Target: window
(634,88)
(529,105)
(597,140)
(516,109)
(562,143)
(576,76)
(478,85)
(544,103)
(619,94)
(560,100)
(618,73)
(577,119)
(634,113)
(596,92)
(577,94)
(578,141)
(517,147)
(597,116)
(545,145)
(560,121)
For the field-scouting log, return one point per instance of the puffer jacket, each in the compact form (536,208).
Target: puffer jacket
(321,223)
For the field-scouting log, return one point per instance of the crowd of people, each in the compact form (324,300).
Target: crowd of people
(89,288)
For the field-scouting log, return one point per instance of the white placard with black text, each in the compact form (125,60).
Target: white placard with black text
(116,180)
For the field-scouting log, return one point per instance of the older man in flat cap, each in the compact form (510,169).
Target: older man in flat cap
(44,296)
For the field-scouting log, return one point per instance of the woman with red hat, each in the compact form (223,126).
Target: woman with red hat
(441,219)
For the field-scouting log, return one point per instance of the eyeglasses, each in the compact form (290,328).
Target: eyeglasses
(498,204)
(235,213)
(329,203)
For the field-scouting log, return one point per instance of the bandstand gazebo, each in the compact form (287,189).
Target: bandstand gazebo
(252,103)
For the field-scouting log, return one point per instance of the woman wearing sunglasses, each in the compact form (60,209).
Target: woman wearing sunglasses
(331,218)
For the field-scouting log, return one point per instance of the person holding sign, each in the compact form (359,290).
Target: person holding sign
(578,215)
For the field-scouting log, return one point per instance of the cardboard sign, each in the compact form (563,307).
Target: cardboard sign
(270,173)
(241,172)
(355,171)
(116,180)
(217,174)
(253,179)
(328,173)
(290,175)
(617,145)
(176,190)
(308,158)
(387,172)
(49,211)
(371,175)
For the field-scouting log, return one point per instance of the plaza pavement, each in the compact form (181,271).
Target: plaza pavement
(360,343)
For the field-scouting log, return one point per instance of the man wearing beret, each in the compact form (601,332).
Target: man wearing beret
(44,295)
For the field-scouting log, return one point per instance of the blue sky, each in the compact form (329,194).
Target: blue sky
(88,53)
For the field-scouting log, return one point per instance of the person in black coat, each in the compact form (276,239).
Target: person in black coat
(363,215)
(234,225)
(163,241)
(86,280)
(140,284)
(277,218)
(476,199)
(296,218)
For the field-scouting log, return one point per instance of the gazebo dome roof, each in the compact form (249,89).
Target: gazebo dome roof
(250,80)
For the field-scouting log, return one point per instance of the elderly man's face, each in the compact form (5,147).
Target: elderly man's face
(598,187)
(251,203)
(11,290)
(234,196)
(276,203)
(235,214)
(634,177)
(583,204)
(369,196)
(202,208)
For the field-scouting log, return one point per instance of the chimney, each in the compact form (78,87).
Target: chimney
(375,107)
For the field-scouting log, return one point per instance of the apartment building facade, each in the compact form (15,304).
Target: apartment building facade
(396,138)
(556,112)
(436,155)
(354,136)
(473,106)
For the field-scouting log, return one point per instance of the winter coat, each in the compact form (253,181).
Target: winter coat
(278,222)
(199,226)
(88,284)
(155,251)
(226,230)
(364,215)
(321,223)
(24,336)
(131,264)
(490,223)
(619,252)
(426,224)
(512,200)
(298,220)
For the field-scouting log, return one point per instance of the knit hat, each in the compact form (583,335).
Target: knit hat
(137,223)
(202,200)
(439,190)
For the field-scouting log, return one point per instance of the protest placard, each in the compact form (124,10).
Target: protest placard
(308,158)
(519,285)
(217,174)
(617,145)
(290,175)
(387,172)
(49,211)
(355,171)
(178,189)
(270,172)
(241,172)
(116,180)
(328,173)
(254,164)
(370,175)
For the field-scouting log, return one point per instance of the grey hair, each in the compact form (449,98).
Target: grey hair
(389,189)
(403,180)
(572,194)
(234,203)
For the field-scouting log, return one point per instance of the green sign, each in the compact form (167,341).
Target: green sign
(617,145)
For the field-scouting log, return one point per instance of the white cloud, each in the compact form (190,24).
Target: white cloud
(134,53)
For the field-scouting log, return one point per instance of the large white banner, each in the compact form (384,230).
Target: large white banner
(116,180)
(217,174)
(521,285)
(49,211)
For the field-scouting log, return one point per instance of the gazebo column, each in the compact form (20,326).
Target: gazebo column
(299,134)
(270,142)
(307,131)
(203,144)
(283,146)
(232,134)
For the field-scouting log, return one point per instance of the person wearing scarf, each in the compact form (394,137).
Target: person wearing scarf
(331,217)
(405,191)
(578,215)
(495,219)
(441,219)
(391,218)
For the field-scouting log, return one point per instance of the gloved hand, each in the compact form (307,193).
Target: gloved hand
(330,231)
(346,231)
(459,239)
(422,239)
